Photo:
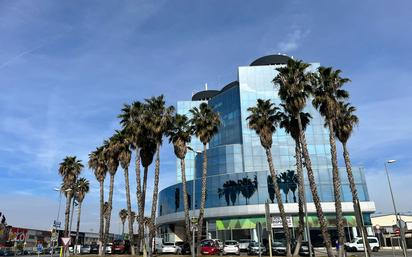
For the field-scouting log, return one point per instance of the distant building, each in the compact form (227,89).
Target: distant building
(387,229)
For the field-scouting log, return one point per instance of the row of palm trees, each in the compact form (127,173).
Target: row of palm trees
(296,87)
(75,189)
(144,125)
(232,189)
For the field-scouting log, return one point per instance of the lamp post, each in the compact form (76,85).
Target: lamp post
(58,215)
(193,198)
(394,208)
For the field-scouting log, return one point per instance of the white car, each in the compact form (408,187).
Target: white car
(231,246)
(169,248)
(356,244)
(109,248)
(244,244)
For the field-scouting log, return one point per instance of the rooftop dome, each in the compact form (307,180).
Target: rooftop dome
(204,95)
(271,60)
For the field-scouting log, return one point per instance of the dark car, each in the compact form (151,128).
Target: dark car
(6,253)
(279,248)
(121,246)
(254,248)
(94,248)
(185,247)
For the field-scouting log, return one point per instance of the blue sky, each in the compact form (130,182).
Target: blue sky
(67,67)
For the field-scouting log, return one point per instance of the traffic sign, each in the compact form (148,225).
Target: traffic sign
(397,231)
(39,248)
(66,241)
(57,224)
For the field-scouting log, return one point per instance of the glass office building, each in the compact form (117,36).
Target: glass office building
(238,183)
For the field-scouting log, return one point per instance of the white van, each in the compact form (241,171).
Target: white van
(357,244)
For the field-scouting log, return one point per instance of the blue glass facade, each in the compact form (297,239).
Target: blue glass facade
(237,163)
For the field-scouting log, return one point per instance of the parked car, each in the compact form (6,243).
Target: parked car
(357,244)
(304,249)
(6,252)
(220,243)
(244,244)
(168,247)
(231,246)
(279,248)
(184,246)
(94,248)
(209,247)
(254,247)
(109,248)
(85,249)
(121,246)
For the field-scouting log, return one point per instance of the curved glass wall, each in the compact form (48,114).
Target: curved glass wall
(253,188)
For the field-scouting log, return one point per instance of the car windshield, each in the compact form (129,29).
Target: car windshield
(168,244)
(244,240)
(179,243)
(278,243)
(230,243)
(354,240)
(255,244)
(206,243)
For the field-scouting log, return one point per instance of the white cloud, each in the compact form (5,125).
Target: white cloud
(292,41)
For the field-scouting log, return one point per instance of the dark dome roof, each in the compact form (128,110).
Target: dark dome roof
(204,95)
(230,85)
(271,60)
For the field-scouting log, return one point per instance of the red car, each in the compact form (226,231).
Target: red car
(209,247)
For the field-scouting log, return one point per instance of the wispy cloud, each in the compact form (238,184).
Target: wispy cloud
(292,41)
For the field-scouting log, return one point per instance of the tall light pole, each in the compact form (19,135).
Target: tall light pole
(193,198)
(55,224)
(394,208)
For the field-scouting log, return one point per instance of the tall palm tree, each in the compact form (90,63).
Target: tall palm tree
(230,191)
(263,119)
(69,169)
(205,122)
(132,121)
(290,124)
(180,135)
(344,124)
(98,165)
(125,156)
(158,121)
(295,87)
(111,154)
(82,188)
(327,93)
(123,214)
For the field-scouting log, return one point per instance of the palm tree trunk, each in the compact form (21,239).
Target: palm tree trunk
(279,201)
(203,196)
(67,213)
(301,196)
(354,191)
(142,207)
(314,190)
(101,227)
(110,202)
(79,211)
(185,203)
(129,210)
(152,230)
(123,229)
(337,190)
(140,204)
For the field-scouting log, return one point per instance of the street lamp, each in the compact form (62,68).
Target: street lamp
(55,224)
(394,208)
(193,197)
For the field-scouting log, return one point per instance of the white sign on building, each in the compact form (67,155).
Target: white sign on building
(277,222)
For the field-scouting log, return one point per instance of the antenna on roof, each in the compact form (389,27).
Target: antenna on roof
(206,86)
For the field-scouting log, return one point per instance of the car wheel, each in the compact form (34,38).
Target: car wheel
(375,249)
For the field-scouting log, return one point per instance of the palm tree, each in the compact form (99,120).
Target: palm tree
(98,165)
(290,124)
(295,87)
(125,156)
(292,181)
(158,122)
(180,135)
(206,124)
(123,214)
(263,119)
(282,179)
(271,189)
(69,169)
(327,93)
(248,187)
(111,155)
(132,117)
(343,125)
(82,188)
